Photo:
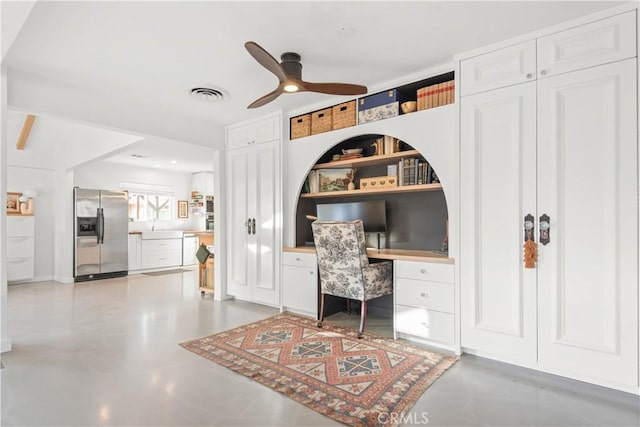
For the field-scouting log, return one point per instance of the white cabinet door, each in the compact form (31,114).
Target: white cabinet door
(254,205)
(255,133)
(596,43)
(587,181)
(504,67)
(300,289)
(497,169)
(239,171)
(135,252)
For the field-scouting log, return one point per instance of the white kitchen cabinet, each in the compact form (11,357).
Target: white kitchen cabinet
(254,206)
(135,252)
(564,146)
(189,249)
(202,182)
(257,132)
(300,283)
(158,253)
(424,302)
(20,248)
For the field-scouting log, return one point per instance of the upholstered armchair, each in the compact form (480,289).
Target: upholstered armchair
(344,266)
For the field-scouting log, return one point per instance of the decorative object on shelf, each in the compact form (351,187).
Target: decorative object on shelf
(351,176)
(380,106)
(334,179)
(408,107)
(183,209)
(13,203)
(378,182)
(314,182)
(335,157)
(289,74)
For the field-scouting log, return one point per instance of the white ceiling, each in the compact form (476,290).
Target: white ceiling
(153,52)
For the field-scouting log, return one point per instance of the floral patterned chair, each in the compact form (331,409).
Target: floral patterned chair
(344,266)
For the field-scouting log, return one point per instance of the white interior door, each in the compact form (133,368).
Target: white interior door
(498,155)
(239,172)
(587,184)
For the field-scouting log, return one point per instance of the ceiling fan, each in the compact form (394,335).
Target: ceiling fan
(289,74)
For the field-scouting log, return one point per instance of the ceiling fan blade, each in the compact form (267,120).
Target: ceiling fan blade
(335,88)
(265,59)
(265,99)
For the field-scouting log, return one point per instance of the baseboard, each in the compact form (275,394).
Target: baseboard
(32,280)
(5,345)
(63,279)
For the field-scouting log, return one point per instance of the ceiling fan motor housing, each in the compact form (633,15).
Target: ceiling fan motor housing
(291,64)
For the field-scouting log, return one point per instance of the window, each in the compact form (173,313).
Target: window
(150,207)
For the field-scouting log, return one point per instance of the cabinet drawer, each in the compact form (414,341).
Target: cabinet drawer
(427,324)
(299,259)
(599,42)
(424,271)
(161,245)
(20,268)
(19,247)
(421,294)
(500,68)
(18,226)
(161,259)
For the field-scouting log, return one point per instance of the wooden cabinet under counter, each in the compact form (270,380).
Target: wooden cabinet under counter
(206,271)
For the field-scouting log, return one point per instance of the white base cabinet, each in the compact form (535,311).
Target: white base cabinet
(300,283)
(20,248)
(159,253)
(135,252)
(424,303)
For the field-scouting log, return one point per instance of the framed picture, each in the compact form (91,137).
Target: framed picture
(334,179)
(13,203)
(183,209)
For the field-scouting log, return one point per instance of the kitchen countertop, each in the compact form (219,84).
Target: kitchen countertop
(184,231)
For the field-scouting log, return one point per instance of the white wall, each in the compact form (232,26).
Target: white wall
(20,179)
(108,176)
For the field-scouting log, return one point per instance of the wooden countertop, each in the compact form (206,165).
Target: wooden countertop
(399,254)
(183,231)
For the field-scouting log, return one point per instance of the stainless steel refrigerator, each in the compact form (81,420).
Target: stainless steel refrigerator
(101,229)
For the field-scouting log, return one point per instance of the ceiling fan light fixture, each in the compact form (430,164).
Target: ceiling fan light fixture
(290,87)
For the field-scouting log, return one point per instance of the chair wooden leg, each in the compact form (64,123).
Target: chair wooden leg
(348,303)
(321,318)
(363,317)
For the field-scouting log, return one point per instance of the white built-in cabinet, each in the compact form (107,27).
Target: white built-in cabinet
(300,283)
(558,138)
(135,252)
(20,247)
(254,209)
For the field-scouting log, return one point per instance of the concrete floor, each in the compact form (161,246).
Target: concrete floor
(106,353)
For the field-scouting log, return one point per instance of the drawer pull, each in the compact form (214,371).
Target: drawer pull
(424,295)
(423,271)
(311,272)
(425,324)
(297,259)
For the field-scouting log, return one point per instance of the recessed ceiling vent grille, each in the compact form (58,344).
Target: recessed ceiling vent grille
(207,94)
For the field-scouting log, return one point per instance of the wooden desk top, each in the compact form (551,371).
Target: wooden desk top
(399,254)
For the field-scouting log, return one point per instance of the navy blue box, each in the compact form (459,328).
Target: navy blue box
(382,98)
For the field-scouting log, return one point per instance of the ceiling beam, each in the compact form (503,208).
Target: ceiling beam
(26,129)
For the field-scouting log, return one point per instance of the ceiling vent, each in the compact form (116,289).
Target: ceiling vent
(207,94)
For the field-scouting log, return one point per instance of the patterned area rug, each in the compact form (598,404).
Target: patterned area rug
(367,382)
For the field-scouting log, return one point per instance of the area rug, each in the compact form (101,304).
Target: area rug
(359,382)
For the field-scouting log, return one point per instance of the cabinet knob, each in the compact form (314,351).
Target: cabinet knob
(311,272)
(423,271)
(297,259)
(425,324)
(424,295)
(543,72)
(529,75)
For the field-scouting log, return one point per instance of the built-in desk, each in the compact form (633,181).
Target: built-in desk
(423,299)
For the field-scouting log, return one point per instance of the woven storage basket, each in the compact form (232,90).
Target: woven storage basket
(321,121)
(344,115)
(300,126)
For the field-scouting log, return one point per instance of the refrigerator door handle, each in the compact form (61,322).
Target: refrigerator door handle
(101,226)
(98,225)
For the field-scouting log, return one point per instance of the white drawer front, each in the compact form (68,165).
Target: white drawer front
(500,68)
(161,245)
(599,42)
(161,259)
(20,268)
(427,324)
(20,247)
(417,293)
(18,226)
(425,271)
(299,259)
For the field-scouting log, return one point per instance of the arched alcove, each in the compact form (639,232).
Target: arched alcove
(416,215)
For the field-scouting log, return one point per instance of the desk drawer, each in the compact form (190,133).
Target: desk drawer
(417,293)
(427,324)
(161,245)
(425,271)
(18,226)
(19,247)
(299,259)
(20,268)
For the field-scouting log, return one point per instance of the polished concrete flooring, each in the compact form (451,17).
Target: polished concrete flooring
(106,353)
